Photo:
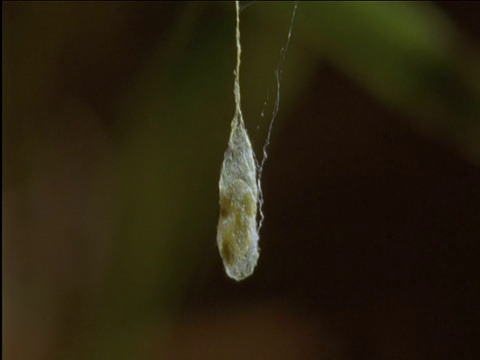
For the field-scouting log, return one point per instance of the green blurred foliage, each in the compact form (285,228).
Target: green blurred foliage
(407,55)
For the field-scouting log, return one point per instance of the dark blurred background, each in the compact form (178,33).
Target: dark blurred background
(116,116)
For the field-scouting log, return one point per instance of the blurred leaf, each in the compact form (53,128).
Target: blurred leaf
(406,54)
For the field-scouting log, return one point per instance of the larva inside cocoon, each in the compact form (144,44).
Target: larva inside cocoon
(237,234)
(240,192)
